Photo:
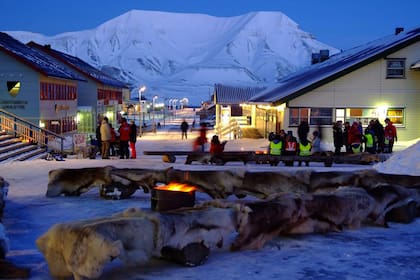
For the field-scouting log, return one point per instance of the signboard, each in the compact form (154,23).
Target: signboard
(80,140)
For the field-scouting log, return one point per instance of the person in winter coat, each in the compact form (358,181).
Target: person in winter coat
(124,131)
(290,147)
(305,147)
(346,137)
(369,139)
(113,141)
(303,130)
(316,143)
(184,129)
(378,130)
(275,148)
(105,138)
(133,139)
(390,134)
(338,137)
(355,138)
(217,147)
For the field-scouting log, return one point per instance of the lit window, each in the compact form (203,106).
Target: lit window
(395,68)
(396,116)
(297,115)
(321,116)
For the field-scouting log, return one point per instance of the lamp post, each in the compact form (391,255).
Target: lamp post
(141,90)
(153,112)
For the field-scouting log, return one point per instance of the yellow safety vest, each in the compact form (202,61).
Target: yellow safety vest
(369,140)
(305,150)
(275,149)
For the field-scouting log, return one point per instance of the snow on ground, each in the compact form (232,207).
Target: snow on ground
(366,253)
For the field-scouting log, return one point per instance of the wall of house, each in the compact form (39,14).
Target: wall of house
(26,102)
(368,87)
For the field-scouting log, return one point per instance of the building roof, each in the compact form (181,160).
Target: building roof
(335,67)
(36,60)
(227,95)
(79,65)
(415,65)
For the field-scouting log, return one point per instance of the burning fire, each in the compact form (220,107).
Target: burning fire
(179,187)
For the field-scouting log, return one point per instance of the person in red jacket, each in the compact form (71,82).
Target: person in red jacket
(124,131)
(217,147)
(355,138)
(390,134)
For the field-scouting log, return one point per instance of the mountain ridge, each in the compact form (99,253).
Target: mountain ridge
(180,55)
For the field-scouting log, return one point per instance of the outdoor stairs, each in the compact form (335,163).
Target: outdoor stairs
(14,149)
(250,132)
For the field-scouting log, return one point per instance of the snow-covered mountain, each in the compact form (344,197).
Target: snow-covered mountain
(183,55)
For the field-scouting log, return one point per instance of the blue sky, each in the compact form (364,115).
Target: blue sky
(342,24)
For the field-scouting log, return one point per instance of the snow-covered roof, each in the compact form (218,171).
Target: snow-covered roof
(36,60)
(415,65)
(336,66)
(80,65)
(226,95)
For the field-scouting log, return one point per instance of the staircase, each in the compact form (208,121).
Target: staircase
(22,140)
(15,149)
(250,132)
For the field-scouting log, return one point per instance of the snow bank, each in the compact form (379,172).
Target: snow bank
(405,162)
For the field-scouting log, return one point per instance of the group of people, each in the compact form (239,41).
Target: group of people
(124,137)
(287,144)
(374,139)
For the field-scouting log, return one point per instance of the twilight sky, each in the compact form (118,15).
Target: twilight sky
(341,24)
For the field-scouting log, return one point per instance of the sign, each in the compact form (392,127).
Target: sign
(58,107)
(79,140)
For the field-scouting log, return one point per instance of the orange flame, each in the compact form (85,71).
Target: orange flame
(179,187)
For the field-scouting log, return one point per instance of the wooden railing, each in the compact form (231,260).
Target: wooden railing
(30,132)
(230,131)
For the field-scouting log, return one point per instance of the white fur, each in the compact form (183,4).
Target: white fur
(83,249)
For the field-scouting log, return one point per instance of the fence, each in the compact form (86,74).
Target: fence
(29,132)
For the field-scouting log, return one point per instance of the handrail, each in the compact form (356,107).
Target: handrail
(13,124)
(226,131)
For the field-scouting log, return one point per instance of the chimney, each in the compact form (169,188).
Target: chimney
(325,54)
(321,56)
(48,46)
(316,57)
(398,30)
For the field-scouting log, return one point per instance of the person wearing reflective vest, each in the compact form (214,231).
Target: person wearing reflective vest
(304,150)
(369,141)
(275,147)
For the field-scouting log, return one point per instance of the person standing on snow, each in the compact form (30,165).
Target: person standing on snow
(390,133)
(184,129)
(133,139)
(124,131)
(105,138)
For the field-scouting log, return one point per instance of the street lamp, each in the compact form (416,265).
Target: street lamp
(153,112)
(141,90)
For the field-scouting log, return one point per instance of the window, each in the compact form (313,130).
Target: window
(297,115)
(365,115)
(321,116)
(314,116)
(396,116)
(395,68)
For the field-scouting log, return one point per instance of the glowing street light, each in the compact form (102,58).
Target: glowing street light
(141,90)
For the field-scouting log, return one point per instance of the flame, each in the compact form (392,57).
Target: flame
(261,152)
(179,187)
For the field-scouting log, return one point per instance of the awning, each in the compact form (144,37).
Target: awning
(415,65)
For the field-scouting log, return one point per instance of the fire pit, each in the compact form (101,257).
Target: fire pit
(172,196)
